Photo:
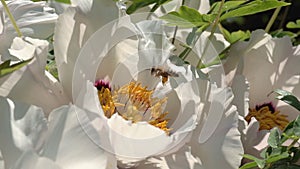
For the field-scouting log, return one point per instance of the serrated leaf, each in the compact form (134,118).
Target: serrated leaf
(249,165)
(293,25)
(64,1)
(253,7)
(288,98)
(186,17)
(6,68)
(274,138)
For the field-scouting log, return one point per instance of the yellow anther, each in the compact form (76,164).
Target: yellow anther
(135,103)
(268,119)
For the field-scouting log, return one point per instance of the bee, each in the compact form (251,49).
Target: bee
(157,72)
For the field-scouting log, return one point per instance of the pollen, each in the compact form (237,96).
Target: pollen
(134,103)
(267,118)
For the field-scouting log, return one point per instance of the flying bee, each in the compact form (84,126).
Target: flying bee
(157,72)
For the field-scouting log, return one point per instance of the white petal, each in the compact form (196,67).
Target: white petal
(218,101)
(68,144)
(30,160)
(31,84)
(240,89)
(224,148)
(33,18)
(22,128)
(73,29)
(181,159)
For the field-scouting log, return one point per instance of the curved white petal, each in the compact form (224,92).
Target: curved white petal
(30,160)
(68,145)
(22,128)
(73,29)
(224,148)
(31,84)
(33,18)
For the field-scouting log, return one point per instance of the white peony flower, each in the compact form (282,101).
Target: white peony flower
(138,111)
(34,19)
(29,141)
(255,69)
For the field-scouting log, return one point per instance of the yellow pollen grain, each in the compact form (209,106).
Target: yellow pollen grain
(139,101)
(267,119)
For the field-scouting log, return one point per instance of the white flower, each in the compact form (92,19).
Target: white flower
(31,84)
(29,141)
(129,120)
(33,18)
(257,68)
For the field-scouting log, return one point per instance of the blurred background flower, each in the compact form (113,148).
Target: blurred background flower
(255,69)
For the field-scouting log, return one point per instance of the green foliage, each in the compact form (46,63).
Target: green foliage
(233,37)
(294,25)
(187,17)
(52,68)
(137,4)
(6,68)
(64,1)
(252,7)
(288,97)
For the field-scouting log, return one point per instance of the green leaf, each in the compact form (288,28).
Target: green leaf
(228,5)
(235,36)
(281,33)
(274,138)
(260,163)
(52,69)
(64,1)
(293,25)
(253,7)
(274,158)
(296,156)
(6,68)
(137,4)
(187,17)
(250,157)
(288,97)
(249,165)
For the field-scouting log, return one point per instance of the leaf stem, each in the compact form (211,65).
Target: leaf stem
(273,18)
(11,18)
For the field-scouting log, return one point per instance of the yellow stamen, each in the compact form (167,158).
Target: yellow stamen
(268,119)
(135,103)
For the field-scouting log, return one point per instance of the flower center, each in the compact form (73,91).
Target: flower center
(135,103)
(267,117)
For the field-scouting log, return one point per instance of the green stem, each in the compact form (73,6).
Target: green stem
(11,18)
(214,28)
(272,20)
